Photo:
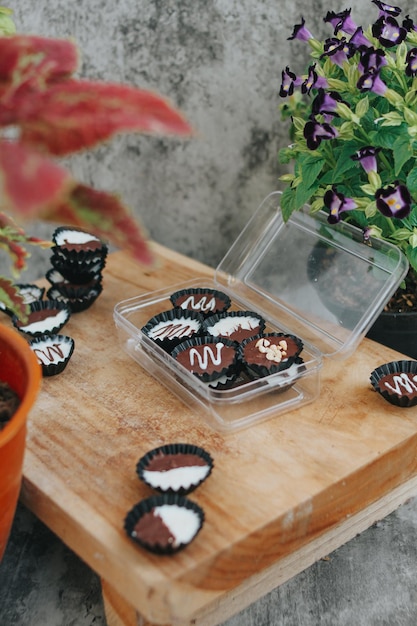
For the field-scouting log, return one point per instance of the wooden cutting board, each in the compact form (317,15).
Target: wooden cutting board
(282,493)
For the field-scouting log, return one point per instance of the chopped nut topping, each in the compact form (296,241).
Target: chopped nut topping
(273,352)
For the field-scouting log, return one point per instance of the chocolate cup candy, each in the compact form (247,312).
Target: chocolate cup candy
(267,354)
(396,382)
(164,524)
(46,317)
(75,244)
(208,358)
(170,328)
(53,352)
(71,290)
(234,325)
(76,304)
(201,300)
(30,292)
(76,272)
(175,468)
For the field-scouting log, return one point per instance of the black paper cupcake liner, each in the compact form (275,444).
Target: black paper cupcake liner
(46,317)
(242,377)
(76,305)
(71,290)
(270,366)
(206,352)
(402,391)
(77,245)
(170,328)
(30,292)
(234,325)
(53,352)
(77,272)
(169,458)
(203,301)
(191,524)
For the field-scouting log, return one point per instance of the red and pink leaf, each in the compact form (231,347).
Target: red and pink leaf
(107,217)
(74,115)
(11,298)
(24,57)
(29,181)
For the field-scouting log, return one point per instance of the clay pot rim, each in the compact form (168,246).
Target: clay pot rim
(34,377)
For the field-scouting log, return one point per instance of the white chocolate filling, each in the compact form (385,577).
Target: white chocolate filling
(229,325)
(176,478)
(74,237)
(183,523)
(47,324)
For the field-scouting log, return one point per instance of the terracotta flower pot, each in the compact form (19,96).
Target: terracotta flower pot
(19,367)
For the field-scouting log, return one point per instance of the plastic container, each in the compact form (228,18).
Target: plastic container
(275,268)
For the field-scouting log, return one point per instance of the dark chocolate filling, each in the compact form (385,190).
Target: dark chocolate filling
(201,303)
(400,383)
(164,462)
(206,358)
(39,315)
(151,530)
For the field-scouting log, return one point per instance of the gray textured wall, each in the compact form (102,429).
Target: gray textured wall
(220,61)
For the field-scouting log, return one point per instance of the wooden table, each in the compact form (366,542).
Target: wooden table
(283,493)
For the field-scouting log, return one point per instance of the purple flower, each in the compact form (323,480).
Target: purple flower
(411,59)
(386,9)
(409,24)
(367,158)
(314,133)
(370,231)
(337,203)
(341,21)
(289,81)
(371,81)
(313,81)
(301,32)
(394,201)
(388,31)
(325,102)
(358,39)
(338,50)
(371,60)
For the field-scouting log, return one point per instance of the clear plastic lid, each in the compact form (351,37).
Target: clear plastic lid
(318,281)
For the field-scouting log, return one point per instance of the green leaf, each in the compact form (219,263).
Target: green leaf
(288,203)
(402,152)
(412,256)
(362,107)
(368,189)
(310,168)
(392,119)
(304,193)
(411,182)
(385,137)
(401,234)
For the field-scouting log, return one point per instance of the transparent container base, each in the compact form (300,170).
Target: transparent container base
(226,409)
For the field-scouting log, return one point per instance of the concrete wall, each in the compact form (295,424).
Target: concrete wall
(219,61)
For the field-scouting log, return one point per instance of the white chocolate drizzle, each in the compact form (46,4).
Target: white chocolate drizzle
(207,355)
(174,329)
(202,304)
(55,352)
(403,383)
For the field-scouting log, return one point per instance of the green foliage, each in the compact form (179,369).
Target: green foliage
(381,118)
